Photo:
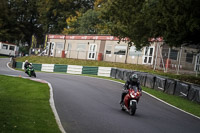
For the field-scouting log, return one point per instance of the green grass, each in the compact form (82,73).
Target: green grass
(142,68)
(2,56)
(24,106)
(182,103)
(179,102)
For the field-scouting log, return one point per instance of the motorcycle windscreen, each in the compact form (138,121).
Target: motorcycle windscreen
(135,88)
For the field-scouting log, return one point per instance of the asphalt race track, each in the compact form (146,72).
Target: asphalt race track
(90,105)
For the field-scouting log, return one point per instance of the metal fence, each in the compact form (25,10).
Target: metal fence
(101,56)
(179,61)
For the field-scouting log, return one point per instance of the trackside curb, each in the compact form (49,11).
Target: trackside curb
(51,100)
(149,95)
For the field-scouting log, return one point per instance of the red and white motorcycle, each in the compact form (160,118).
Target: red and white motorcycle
(131,99)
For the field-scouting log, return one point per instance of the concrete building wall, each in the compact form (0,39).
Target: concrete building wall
(80,48)
(59,46)
(109,49)
(112,56)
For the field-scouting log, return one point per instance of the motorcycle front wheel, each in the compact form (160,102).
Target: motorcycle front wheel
(34,74)
(29,74)
(132,108)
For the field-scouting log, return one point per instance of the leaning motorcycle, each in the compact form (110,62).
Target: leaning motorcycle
(131,99)
(31,71)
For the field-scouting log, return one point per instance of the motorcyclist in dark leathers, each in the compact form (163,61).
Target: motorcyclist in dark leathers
(133,81)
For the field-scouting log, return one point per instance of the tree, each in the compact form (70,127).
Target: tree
(72,23)
(181,19)
(8,29)
(176,21)
(53,13)
(126,20)
(3,19)
(88,22)
(98,3)
(20,19)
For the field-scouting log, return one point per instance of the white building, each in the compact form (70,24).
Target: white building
(98,47)
(8,49)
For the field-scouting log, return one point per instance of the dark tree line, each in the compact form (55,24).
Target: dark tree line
(20,19)
(177,21)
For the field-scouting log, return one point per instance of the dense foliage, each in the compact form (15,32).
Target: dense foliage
(87,23)
(176,21)
(20,19)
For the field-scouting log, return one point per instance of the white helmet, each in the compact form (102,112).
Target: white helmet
(134,78)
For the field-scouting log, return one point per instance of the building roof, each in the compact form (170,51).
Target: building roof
(84,37)
(8,43)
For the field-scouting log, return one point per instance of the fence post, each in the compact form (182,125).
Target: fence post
(179,61)
(137,59)
(168,59)
(96,56)
(86,55)
(197,64)
(162,59)
(77,54)
(54,54)
(156,56)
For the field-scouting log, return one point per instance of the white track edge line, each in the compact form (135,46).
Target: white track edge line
(51,100)
(10,67)
(152,97)
(149,95)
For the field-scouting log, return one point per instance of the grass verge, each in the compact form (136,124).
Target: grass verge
(2,56)
(142,68)
(179,102)
(24,106)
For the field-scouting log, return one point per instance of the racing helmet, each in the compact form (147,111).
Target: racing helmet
(134,78)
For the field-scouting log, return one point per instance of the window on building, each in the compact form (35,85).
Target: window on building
(189,57)
(134,52)
(81,47)
(148,55)
(59,45)
(12,48)
(5,46)
(151,52)
(120,50)
(108,49)
(173,54)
